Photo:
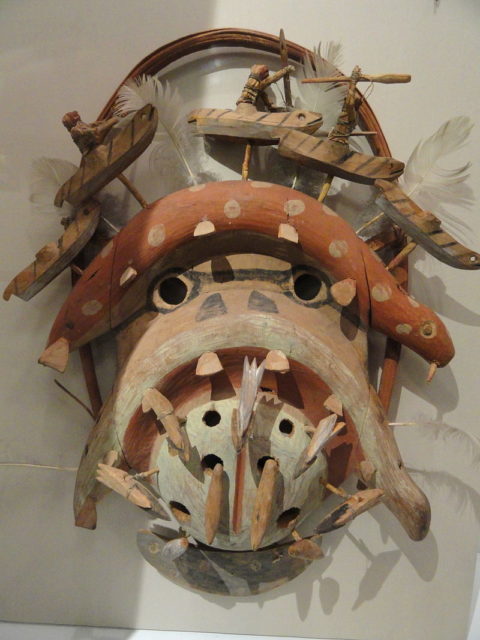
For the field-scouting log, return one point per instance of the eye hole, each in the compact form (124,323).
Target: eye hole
(210,461)
(288,518)
(180,511)
(307,286)
(286,427)
(211,418)
(301,116)
(169,292)
(262,462)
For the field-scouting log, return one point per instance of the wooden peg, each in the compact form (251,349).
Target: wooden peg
(350,509)
(246,161)
(325,188)
(262,510)
(128,276)
(344,291)
(123,483)
(213,505)
(276,360)
(146,474)
(162,407)
(173,549)
(336,490)
(208,364)
(402,255)
(432,371)
(304,548)
(287,232)
(204,228)
(333,404)
(56,355)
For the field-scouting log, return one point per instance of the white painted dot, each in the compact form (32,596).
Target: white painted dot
(338,248)
(258,184)
(156,235)
(294,207)
(403,329)
(91,307)
(232,209)
(413,302)
(381,292)
(197,187)
(328,211)
(106,249)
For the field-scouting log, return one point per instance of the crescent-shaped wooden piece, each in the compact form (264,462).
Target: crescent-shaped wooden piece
(242,212)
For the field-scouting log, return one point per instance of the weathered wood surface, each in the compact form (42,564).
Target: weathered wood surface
(159,232)
(264,502)
(337,158)
(243,573)
(386,78)
(247,123)
(55,257)
(104,162)
(213,504)
(424,227)
(350,509)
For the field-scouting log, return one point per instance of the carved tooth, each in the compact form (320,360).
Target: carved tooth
(162,407)
(174,549)
(204,228)
(287,232)
(432,371)
(262,510)
(128,276)
(333,404)
(350,509)
(208,364)
(213,505)
(344,291)
(56,355)
(276,360)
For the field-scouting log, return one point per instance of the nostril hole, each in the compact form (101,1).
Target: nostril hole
(288,518)
(180,511)
(210,461)
(286,427)
(262,461)
(211,418)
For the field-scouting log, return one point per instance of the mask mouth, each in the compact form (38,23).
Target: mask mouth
(229,573)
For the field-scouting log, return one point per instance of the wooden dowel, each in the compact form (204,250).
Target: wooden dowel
(239,490)
(369,222)
(286,77)
(336,490)
(76,269)
(275,77)
(389,372)
(401,256)
(246,161)
(388,78)
(133,190)
(325,188)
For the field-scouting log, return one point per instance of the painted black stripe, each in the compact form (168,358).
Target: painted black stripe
(317,144)
(210,111)
(345,157)
(377,167)
(132,132)
(364,164)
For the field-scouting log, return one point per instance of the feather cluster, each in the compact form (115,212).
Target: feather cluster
(177,155)
(432,186)
(46,177)
(251,380)
(326,99)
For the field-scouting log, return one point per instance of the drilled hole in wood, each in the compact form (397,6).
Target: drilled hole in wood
(173,290)
(210,461)
(262,461)
(180,511)
(211,418)
(306,286)
(286,427)
(288,518)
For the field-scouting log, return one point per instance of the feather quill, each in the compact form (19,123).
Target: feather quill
(46,177)
(251,379)
(326,99)
(428,183)
(177,155)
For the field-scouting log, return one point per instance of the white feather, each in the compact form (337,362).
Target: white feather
(251,379)
(326,99)
(425,181)
(177,155)
(46,177)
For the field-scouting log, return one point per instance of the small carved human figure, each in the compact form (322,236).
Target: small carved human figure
(87,136)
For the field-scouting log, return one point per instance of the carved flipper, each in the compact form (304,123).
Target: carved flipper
(103,163)
(52,259)
(337,158)
(425,229)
